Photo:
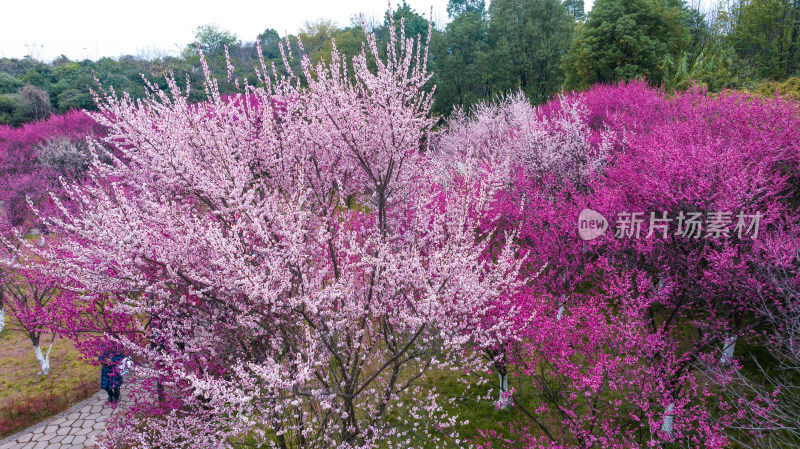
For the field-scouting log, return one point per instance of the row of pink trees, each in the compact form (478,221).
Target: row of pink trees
(629,328)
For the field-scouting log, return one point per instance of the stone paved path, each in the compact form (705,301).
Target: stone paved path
(73,429)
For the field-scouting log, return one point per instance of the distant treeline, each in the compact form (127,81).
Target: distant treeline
(538,46)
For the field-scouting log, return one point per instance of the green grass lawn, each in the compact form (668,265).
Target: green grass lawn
(25,397)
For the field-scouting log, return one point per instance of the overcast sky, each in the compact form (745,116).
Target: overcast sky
(95,28)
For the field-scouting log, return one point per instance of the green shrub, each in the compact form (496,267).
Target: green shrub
(9,83)
(13,109)
(789,88)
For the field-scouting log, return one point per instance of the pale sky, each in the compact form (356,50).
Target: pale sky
(95,28)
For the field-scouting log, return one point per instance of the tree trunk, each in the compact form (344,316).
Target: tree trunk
(666,426)
(43,359)
(727,350)
(502,399)
(2,318)
(562,307)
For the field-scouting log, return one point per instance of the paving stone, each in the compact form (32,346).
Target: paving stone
(93,437)
(67,423)
(76,428)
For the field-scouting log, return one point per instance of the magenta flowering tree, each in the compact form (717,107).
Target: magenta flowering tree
(542,157)
(29,175)
(771,384)
(35,301)
(722,159)
(617,331)
(717,168)
(596,375)
(22,173)
(290,260)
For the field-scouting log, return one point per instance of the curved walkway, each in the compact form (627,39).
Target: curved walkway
(75,428)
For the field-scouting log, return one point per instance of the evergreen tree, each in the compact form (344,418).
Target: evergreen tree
(623,40)
(765,35)
(462,61)
(457,7)
(536,34)
(575,8)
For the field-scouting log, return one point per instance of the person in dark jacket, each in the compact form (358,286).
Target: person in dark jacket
(110,376)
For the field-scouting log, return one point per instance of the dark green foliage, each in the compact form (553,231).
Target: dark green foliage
(457,7)
(270,44)
(765,35)
(13,110)
(624,40)
(517,44)
(415,23)
(463,62)
(575,9)
(536,34)
(9,83)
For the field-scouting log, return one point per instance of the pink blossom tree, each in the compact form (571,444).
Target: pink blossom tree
(290,260)
(542,157)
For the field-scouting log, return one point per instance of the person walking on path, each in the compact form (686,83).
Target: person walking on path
(111,375)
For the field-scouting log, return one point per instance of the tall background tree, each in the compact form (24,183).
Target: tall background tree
(765,35)
(463,60)
(624,40)
(536,34)
(514,45)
